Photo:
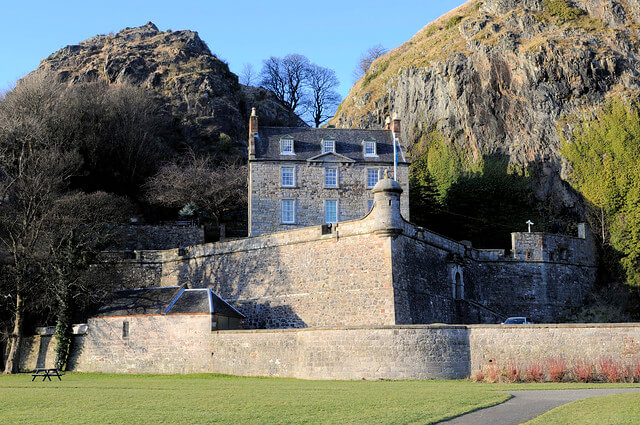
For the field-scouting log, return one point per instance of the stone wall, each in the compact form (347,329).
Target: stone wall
(540,290)
(38,351)
(397,352)
(156,344)
(310,193)
(492,286)
(537,343)
(185,344)
(377,270)
(298,278)
(126,269)
(553,248)
(153,237)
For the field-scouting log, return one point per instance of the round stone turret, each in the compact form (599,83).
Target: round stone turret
(386,210)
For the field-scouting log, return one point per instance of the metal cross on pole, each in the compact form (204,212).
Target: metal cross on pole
(529,223)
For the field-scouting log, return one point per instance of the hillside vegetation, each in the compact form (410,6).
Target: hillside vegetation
(604,154)
(203,98)
(486,93)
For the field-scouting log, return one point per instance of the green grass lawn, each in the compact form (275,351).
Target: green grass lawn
(617,409)
(199,399)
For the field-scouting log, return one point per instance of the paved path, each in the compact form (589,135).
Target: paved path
(526,405)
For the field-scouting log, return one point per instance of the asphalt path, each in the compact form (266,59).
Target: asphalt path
(529,404)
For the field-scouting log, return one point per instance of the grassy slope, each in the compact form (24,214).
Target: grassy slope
(618,409)
(442,38)
(195,399)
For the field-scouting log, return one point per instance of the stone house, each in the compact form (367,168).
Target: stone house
(302,176)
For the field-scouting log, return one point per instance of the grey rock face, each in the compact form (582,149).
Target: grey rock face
(519,73)
(200,91)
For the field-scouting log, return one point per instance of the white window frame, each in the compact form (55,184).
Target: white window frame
(332,148)
(293,177)
(293,211)
(375,148)
(337,183)
(337,203)
(366,176)
(285,142)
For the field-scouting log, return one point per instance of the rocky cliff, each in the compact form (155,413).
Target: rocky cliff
(199,90)
(498,76)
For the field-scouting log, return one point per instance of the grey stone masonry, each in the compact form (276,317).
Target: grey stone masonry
(309,193)
(301,177)
(377,270)
(186,344)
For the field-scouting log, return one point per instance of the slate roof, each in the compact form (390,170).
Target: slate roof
(307,143)
(165,300)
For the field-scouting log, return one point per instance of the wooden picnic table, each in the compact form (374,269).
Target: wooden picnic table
(45,373)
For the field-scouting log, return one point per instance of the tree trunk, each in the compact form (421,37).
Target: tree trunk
(63,329)
(13,359)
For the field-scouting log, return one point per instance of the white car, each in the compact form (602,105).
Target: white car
(517,321)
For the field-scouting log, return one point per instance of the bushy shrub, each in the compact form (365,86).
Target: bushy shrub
(534,372)
(611,370)
(556,367)
(478,375)
(605,369)
(492,374)
(453,21)
(583,371)
(635,370)
(512,372)
(563,10)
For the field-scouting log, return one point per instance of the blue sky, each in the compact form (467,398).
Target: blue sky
(330,33)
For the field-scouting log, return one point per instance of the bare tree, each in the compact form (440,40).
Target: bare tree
(33,180)
(323,99)
(78,227)
(285,77)
(36,165)
(248,75)
(119,130)
(366,59)
(212,189)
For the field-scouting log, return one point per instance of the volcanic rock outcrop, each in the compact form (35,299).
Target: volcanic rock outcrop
(505,77)
(199,90)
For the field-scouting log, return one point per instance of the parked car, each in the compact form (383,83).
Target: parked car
(517,321)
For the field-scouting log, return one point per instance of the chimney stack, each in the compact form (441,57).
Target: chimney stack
(253,133)
(395,125)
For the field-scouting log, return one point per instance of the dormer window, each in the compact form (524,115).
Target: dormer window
(370,148)
(286,146)
(328,146)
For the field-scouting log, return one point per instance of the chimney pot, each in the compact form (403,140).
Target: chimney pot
(253,133)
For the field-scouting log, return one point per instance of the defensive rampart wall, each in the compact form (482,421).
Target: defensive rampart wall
(378,270)
(186,345)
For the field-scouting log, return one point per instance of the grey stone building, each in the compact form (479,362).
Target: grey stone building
(302,176)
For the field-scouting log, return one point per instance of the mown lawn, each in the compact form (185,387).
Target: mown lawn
(219,399)
(617,409)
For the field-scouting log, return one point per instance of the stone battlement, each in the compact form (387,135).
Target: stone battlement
(377,270)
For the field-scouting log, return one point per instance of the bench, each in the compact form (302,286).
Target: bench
(45,373)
